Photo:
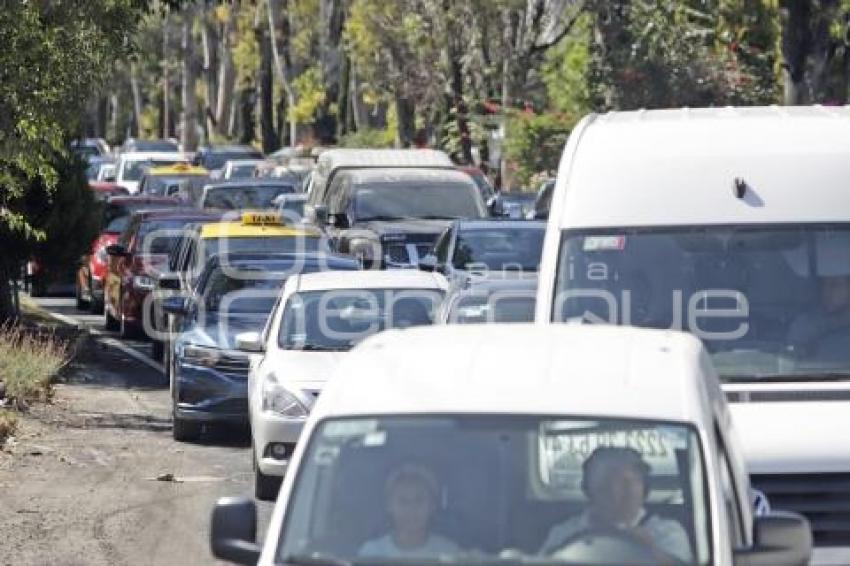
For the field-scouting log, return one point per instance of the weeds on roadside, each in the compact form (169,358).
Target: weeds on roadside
(28,362)
(8,424)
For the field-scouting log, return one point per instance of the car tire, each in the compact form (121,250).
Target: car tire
(158,350)
(266,488)
(82,305)
(185,431)
(109,321)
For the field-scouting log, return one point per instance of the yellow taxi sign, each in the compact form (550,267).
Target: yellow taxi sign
(261,218)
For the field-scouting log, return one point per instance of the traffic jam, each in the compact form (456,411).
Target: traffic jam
(644,363)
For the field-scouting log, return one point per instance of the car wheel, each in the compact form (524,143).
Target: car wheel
(125,330)
(157,350)
(185,431)
(109,322)
(82,305)
(266,487)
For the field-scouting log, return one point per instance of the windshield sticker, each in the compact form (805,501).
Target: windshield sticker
(352,428)
(377,438)
(604,243)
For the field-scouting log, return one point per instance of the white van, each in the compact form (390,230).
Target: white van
(507,444)
(733,224)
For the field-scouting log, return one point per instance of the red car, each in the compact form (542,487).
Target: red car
(141,251)
(92,271)
(105,189)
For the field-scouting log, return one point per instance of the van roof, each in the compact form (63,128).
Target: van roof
(337,158)
(523,369)
(679,167)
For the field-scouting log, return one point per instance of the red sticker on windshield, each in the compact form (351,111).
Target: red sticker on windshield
(604,243)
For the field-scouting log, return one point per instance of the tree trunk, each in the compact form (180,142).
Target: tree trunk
(7,304)
(166,82)
(226,82)
(796,44)
(247,102)
(189,123)
(137,100)
(280,66)
(343,103)
(209,40)
(266,94)
(114,121)
(406,114)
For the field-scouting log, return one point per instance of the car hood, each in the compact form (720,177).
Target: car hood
(793,436)
(309,370)
(219,331)
(405,227)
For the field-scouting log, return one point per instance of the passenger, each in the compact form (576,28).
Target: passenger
(831,317)
(616,483)
(412,493)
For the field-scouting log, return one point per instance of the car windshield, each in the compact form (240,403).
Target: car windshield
(243,171)
(93,169)
(159,236)
(499,248)
(769,302)
(133,170)
(167,184)
(250,196)
(285,244)
(217,160)
(416,199)
(496,488)
(241,291)
(116,217)
(293,208)
(339,319)
(506,306)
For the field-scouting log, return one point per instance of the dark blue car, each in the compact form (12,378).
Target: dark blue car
(235,293)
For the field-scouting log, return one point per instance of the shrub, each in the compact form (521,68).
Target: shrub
(28,363)
(8,425)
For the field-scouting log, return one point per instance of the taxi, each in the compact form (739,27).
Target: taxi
(170,180)
(507,444)
(249,232)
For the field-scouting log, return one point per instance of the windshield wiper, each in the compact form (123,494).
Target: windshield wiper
(320,348)
(383,218)
(315,559)
(438,217)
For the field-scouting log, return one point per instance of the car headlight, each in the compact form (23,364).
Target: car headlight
(278,400)
(144,283)
(201,355)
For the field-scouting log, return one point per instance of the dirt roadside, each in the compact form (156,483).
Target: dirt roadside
(79,485)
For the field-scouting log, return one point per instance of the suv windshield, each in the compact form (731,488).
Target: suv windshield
(498,249)
(416,199)
(133,170)
(527,490)
(339,319)
(769,302)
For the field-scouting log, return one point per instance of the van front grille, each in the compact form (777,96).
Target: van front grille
(824,499)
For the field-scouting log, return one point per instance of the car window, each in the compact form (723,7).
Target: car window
(441,248)
(498,249)
(500,307)
(526,489)
(417,199)
(339,319)
(242,291)
(276,244)
(158,236)
(236,198)
(729,492)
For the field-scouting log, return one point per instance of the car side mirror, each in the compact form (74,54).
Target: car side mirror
(778,538)
(428,263)
(176,305)
(320,213)
(117,250)
(249,342)
(233,536)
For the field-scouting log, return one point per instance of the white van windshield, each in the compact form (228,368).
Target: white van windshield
(769,302)
(463,489)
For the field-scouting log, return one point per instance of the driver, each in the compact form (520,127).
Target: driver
(616,483)
(412,493)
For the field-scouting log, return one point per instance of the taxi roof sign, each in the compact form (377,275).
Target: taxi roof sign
(261,218)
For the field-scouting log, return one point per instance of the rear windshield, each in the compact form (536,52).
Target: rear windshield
(159,236)
(253,197)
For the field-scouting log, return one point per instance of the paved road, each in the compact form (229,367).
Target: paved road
(81,487)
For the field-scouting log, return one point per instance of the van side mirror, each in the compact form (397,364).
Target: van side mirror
(233,536)
(249,342)
(778,538)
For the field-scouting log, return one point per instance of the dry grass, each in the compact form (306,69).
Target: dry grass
(8,424)
(28,362)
